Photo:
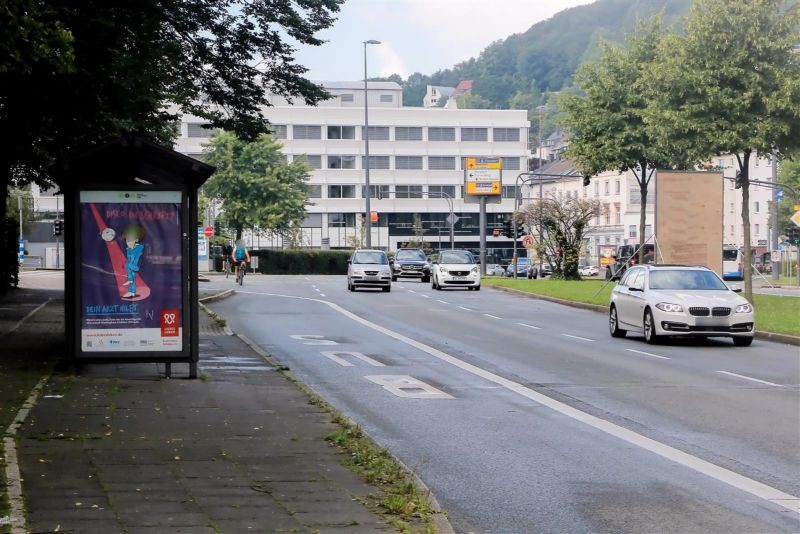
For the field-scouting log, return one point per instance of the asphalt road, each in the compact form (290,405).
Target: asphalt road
(525,416)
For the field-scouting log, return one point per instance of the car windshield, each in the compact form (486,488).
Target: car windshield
(370,258)
(730,254)
(416,255)
(523,260)
(686,279)
(456,257)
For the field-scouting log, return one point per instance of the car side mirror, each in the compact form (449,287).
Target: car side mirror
(736,289)
(639,289)
(349,262)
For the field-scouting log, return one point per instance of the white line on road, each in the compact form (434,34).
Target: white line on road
(577,337)
(425,296)
(411,291)
(699,465)
(464,308)
(751,378)
(322,294)
(530,326)
(442,301)
(648,354)
(29,315)
(493,316)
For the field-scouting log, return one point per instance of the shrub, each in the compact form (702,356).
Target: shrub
(302,261)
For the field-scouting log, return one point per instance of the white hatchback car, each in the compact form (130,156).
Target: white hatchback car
(456,268)
(369,268)
(674,300)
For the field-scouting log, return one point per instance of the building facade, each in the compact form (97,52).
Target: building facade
(416,162)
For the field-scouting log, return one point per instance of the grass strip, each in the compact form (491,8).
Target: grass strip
(774,313)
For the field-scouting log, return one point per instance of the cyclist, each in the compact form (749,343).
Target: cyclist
(227,254)
(240,257)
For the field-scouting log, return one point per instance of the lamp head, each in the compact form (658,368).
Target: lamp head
(372,41)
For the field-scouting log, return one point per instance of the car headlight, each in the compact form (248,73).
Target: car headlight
(671,308)
(387,272)
(475,270)
(744,308)
(358,272)
(442,269)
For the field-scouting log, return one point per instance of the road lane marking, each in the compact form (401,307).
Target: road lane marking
(322,294)
(28,316)
(726,476)
(751,378)
(408,387)
(442,301)
(312,339)
(493,316)
(411,291)
(464,308)
(334,355)
(577,337)
(530,326)
(425,296)
(648,354)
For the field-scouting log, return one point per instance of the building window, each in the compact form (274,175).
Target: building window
(376,133)
(387,98)
(617,214)
(312,160)
(279,131)
(474,134)
(732,232)
(597,189)
(347,97)
(304,131)
(341,191)
(731,207)
(616,187)
(342,220)
(312,220)
(441,134)
(648,231)
(758,229)
(607,189)
(408,162)
(200,130)
(632,231)
(408,133)
(441,163)
(505,135)
(511,164)
(408,191)
(373,191)
(510,191)
(608,215)
(721,163)
(375,162)
(314,191)
(341,132)
(442,191)
(757,206)
(341,162)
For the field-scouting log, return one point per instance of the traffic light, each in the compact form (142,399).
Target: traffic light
(586,181)
(58,227)
(520,231)
(738,182)
(792,234)
(507,229)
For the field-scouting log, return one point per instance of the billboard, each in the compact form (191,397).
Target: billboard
(131,271)
(689,218)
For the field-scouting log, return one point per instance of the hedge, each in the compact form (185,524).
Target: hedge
(302,261)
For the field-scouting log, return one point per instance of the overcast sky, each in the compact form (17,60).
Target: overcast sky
(419,35)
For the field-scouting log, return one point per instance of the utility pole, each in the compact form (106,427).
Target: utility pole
(482,225)
(58,241)
(773,243)
(368,194)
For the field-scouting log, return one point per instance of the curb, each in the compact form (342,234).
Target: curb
(440,521)
(217,296)
(760,334)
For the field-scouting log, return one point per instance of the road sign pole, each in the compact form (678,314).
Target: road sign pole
(482,224)
(773,245)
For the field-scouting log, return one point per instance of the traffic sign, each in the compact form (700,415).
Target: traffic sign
(483,188)
(452,219)
(373,216)
(796,207)
(496,232)
(796,218)
(776,256)
(779,195)
(486,163)
(528,241)
(209,231)
(483,176)
(21,253)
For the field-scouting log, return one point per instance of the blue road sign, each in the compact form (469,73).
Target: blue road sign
(779,195)
(21,250)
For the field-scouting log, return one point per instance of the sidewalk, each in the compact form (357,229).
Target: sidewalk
(119,449)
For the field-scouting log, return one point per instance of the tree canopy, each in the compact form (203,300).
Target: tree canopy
(255,184)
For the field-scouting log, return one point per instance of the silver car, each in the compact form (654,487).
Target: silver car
(369,268)
(674,300)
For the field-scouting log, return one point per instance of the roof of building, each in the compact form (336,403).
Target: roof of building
(464,86)
(565,167)
(390,86)
(445,91)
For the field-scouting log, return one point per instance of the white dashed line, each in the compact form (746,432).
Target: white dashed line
(750,378)
(425,296)
(411,291)
(648,354)
(442,301)
(493,316)
(530,326)
(465,309)
(577,337)
(322,294)
(726,476)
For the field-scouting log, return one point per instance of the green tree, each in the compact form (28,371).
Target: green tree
(77,73)
(607,122)
(473,101)
(789,174)
(565,222)
(730,85)
(256,187)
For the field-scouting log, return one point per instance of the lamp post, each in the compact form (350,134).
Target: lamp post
(540,110)
(366,143)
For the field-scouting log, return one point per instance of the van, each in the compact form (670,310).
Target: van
(732,263)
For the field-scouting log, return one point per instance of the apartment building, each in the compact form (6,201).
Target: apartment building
(416,158)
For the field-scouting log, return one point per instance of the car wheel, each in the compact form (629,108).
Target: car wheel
(650,328)
(394,279)
(386,289)
(477,288)
(613,323)
(351,287)
(743,341)
(426,279)
(608,273)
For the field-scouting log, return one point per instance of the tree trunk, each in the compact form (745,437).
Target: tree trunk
(643,183)
(238,233)
(744,167)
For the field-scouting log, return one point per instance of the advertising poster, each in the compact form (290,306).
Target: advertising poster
(606,254)
(131,297)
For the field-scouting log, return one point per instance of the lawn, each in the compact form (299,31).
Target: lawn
(773,313)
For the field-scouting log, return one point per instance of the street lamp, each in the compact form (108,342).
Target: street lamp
(366,144)
(540,110)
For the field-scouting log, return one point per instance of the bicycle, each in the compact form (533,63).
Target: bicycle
(240,272)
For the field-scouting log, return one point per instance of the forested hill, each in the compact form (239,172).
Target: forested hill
(544,57)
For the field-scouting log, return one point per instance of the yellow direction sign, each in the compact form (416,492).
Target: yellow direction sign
(484,163)
(484,176)
(796,218)
(483,188)
(796,207)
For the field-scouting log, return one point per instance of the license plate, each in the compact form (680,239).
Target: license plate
(459,278)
